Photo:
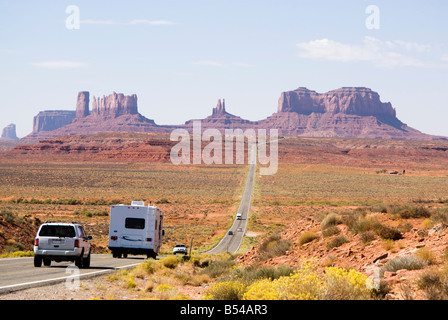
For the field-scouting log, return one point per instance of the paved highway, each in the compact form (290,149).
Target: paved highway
(231,241)
(20,273)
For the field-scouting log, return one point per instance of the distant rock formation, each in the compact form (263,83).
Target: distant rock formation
(9,132)
(220,107)
(115,104)
(220,119)
(52,119)
(82,104)
(348,112)
(358,101)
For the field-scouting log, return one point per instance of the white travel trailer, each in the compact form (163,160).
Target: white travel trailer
(135,229)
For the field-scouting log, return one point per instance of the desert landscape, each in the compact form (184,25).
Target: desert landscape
(297,151)
(351,204)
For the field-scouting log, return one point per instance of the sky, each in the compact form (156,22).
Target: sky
(180,56)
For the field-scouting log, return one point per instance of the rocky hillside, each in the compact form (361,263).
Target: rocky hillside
(400,244)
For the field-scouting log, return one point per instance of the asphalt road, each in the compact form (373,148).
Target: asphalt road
(20,273)
(232,242)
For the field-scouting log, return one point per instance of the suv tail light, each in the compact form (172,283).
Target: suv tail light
(36,242)
(149,239)
(76,243)
(113,238)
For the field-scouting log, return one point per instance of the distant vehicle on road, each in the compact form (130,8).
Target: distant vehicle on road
(62,242)
(240,229)
(239,216)
(230,233)
(180,248)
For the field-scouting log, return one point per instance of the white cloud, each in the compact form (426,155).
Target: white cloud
(381,53)
(60,64)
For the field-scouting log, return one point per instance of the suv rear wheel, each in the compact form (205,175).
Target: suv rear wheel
(37,261)
(79,261)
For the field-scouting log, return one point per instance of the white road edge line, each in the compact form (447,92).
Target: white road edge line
(39,283)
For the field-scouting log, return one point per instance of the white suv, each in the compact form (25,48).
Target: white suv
(62,242)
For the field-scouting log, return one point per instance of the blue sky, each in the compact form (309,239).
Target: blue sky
(180,57)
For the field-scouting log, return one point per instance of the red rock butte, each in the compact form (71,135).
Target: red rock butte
(348,112)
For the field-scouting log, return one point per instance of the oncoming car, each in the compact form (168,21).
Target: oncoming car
(62,242)
(180,248)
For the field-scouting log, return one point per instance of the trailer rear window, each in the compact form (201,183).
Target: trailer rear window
(57,231)
(134,223)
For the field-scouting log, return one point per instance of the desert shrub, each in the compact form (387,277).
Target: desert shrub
(165,291)
(307,284)
(386,232)
(367,236)
(408,262)
(405,227)
(304,284)
(440,215)
(425,254)
(8,216)
(217,268)
(170,262)
(330,231)
(149,266)
(364,224)
(273,246)
(410,211)
(252,273)
(434,284)
(17,254)
(87,213)
(349,218)
(388,244)
(230,290)
(330,220)
(307,236)
(337,242)
(444,255)
(342,284)
(379,208)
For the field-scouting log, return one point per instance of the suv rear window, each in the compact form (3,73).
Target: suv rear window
(134,223)
(57,231)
